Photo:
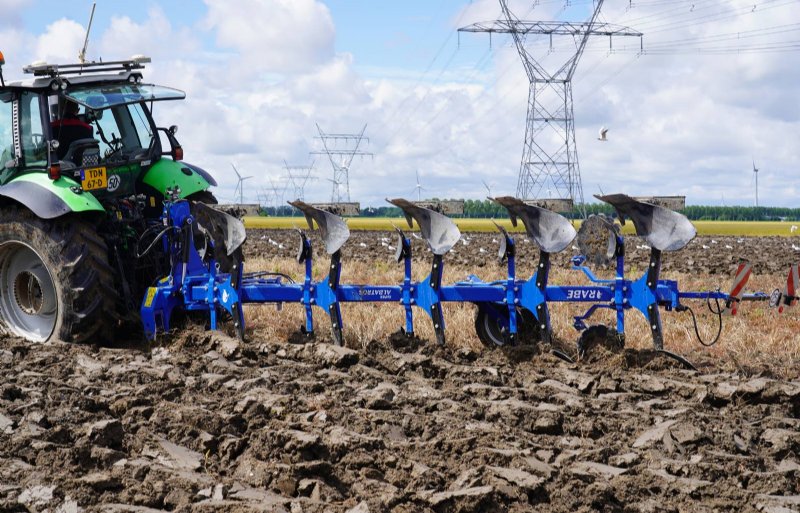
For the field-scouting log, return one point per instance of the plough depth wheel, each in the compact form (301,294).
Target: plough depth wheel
(491,327)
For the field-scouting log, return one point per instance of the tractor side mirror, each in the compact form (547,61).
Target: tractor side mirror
(175,151)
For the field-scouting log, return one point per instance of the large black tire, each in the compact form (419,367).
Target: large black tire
(55,279)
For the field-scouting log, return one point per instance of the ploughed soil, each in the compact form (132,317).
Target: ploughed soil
(703,255)
(201,422)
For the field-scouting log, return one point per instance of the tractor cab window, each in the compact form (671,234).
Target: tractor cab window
(34,149)
(124,132)
(122,124)
(121,133)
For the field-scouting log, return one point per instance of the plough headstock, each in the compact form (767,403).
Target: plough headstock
(332,228)
(550,231)
(663,229)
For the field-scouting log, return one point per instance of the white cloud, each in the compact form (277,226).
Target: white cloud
(282,36)
(155,37)
(61,41)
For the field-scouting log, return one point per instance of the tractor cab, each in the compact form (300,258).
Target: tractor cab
(89,122)
(91,125)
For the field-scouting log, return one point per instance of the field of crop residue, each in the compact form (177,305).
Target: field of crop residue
(201,422)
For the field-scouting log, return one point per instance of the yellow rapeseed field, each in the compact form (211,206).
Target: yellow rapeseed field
(731,228)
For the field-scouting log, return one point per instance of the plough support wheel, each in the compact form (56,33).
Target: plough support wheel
(492,327)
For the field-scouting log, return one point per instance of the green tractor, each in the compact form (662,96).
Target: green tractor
(84,171)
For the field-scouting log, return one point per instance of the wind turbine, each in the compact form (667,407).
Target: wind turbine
(239,187)
(336,183)
(755,173)
(419,188)
(488,188)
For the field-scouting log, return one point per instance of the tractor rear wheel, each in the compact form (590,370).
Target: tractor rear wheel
(55,279)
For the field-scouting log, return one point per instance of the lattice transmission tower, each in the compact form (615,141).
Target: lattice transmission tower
(341,149)
(549,157)
(299,176)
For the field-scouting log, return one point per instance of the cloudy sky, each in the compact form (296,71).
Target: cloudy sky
(715,89)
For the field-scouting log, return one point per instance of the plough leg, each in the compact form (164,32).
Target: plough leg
(653,315)
(436,305)
(334,309)
(236,308)
(542,313)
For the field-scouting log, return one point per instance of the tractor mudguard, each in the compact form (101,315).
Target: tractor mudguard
(167,173)
(49,199)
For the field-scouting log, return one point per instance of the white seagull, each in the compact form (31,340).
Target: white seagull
(603,132)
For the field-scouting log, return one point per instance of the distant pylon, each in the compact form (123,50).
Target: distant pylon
(299,176)
(277,190)
(550,156)
(341,149)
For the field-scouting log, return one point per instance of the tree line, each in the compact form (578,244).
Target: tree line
(486,209)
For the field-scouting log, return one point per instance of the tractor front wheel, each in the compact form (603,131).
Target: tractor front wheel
(55,280)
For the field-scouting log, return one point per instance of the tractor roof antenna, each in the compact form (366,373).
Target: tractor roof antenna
(549,156)
(346,147)
(239,187)
(82,53)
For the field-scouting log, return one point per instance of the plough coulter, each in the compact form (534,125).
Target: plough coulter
(509,311)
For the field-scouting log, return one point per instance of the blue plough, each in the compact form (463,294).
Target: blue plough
(508,311)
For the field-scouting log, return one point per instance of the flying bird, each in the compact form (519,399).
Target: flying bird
(603,132)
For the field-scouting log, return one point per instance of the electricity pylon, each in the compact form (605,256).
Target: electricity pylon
(299,176)
(550,156)
(341,149)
